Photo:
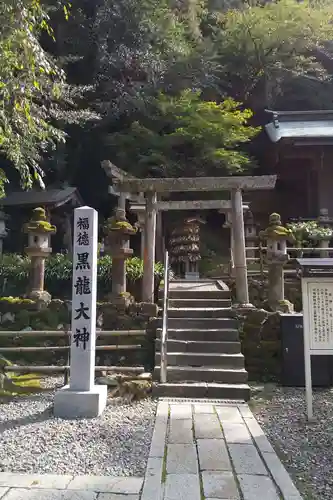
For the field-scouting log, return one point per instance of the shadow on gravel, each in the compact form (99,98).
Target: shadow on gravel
(30,419)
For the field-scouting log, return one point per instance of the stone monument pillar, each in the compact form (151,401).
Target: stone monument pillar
(118,233)
(82,398)
(276,237)
(39,232)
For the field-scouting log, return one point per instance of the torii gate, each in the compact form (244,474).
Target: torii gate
(151,186)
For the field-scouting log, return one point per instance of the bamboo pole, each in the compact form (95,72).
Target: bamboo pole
(63,333)
(61,369)
(66,348)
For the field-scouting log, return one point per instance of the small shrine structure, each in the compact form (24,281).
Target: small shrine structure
(58,205)
(185,248)
(298,147)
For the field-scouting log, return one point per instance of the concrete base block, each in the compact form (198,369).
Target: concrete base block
(192,276)
(80,404)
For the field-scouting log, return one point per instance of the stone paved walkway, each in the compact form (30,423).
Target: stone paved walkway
(62,487)
(212,451)
(199,451)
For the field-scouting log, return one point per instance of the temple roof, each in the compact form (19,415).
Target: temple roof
(51,198)
(315,127)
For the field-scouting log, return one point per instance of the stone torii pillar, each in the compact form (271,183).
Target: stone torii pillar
(228,225)
(3,230)
(149,249)
(159,238)
(239,253)
(142,224)
(138,208)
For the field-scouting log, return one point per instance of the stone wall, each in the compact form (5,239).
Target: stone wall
(260,329)
(258,291)
(261,343)
(26,315)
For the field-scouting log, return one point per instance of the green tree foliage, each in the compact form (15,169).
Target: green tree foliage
(14,275)
(185,136)
(30,84)
(124,52)
(129,65)
(143,47)
(147,53)
(265,48)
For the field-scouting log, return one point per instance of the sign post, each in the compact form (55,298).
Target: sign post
(317,297)
(82,398)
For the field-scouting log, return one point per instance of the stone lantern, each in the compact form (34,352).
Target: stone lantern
(118,233)
(39,232)
(3,230)
(276,237)
(325,232)
(324,219)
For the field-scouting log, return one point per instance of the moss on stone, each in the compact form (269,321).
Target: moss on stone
(16,304)
(25,315)
(38,223)
(16,300)
(275,230)
(261,343)
(113,224)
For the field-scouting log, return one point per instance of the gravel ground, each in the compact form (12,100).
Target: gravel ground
(33,441)
(306,449)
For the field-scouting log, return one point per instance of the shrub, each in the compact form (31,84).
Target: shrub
(14,275)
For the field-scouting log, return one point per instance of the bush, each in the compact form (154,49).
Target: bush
(14,275)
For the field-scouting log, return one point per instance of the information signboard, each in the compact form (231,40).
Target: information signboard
(317,298)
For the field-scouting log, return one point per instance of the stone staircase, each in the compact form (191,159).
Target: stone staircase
(204,352)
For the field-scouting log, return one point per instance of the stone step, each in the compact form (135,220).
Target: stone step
(201,334)
(194,303)
(194,359)
(200,312)
(202,390)
(201,323)
(200,347)
(197,294)
(203,374)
